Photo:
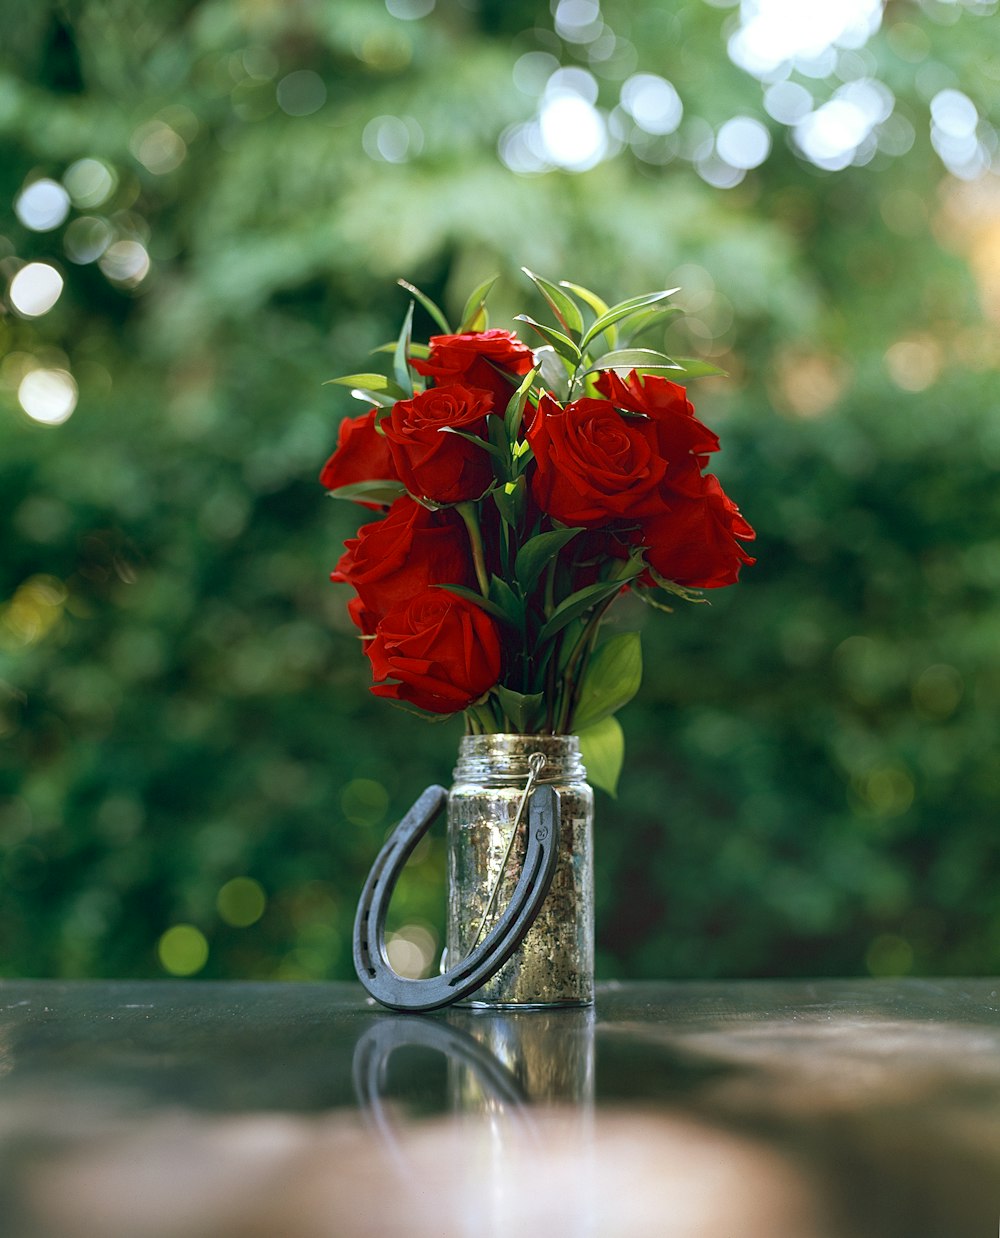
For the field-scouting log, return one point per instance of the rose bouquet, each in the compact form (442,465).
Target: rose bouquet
(516,493)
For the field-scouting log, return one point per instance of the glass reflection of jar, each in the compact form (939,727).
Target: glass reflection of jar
(549,1053)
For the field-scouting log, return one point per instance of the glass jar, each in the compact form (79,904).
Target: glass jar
(554,965)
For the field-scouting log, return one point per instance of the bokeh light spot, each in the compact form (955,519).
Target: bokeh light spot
(773,33)
(90,182)
(533,70)
(125,262)
(963,141)
(301,93)
(954,114)
(410,10)
(364,801)
(392,139)
(788,102)
(42,206)
(411,950)
(889,955)
(573,80)
(260,63)
(809,384)
(35,289)
(86,238)
(48,396)
(183,950)
(886,791)
(652,102)
(34,610)
(937,691)
(572,131)
(578,21)
(841,131)
(158,147)
(743,142)
(386,50)
(914,365)
(241,902)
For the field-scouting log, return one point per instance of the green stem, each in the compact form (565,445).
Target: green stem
(550,586)
(576,666)
(481,719)
(468,513)
(573,378)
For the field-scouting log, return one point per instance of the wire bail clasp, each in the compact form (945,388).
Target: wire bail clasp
(536,763)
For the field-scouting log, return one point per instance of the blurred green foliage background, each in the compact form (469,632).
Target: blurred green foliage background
(219,196)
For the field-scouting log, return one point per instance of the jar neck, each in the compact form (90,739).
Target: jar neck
(503,759)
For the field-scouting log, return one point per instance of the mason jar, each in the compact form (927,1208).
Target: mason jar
(554,965)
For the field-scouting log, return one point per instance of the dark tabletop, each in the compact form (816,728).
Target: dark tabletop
(788,1109)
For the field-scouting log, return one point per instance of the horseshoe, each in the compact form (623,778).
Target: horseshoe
(370,959)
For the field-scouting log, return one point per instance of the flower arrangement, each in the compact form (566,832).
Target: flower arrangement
(517,493)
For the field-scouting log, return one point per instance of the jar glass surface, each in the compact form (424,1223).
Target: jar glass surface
(554,965)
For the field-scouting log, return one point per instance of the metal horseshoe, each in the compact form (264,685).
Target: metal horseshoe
(485,959)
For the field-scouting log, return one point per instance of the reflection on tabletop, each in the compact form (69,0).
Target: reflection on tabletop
(785,1110)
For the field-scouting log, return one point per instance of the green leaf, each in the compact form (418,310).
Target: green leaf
(646,596)
(576,604)
(525,711)
(596,303)
(371,388)
(510,500)
(371,382)
(504,597)
(399,357)
(634,359)
(502,452)
(610,680)
(369,491)
(471,595)
(535,554)
(573,632)
(415,710)
(476,304)
(428,305)
(563,345)
(502,460)
(564,307)
(658,315)
(416,350)
(378,398)
(622,310)
(679,591)
(694,367)
(479,321)
(554,370)
(515,406)
(602,747)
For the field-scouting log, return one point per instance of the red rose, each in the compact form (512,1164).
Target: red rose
(694,542)
(476,358)
(362,618)
(392,559)
(362,455)
(441,651)
(589,552)
(683,440)
(430,462)
(593,464)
